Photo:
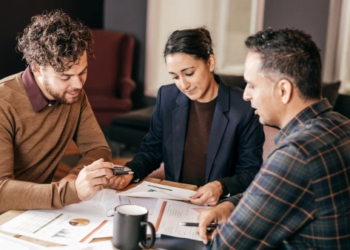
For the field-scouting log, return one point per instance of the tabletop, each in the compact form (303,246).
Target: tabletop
(165,242)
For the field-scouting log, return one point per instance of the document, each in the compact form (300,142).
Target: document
(153,190)
(171,213)
(105,245)
(55,226)
(8,242)
(12,243)
(110,199)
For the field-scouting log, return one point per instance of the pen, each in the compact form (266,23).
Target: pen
(119,168)
(123,173)
(210,227)
(115,168)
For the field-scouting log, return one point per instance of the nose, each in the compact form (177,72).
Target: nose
(184,84)
(246,95)
(77,82)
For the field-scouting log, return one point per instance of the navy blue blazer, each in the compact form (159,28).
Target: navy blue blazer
(235,142)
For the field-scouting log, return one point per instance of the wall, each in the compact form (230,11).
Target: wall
(129,16)
(15,16)
(310,16)
(164,17)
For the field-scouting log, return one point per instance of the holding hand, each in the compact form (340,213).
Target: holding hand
(218,214)
(209,194)
(120,181)
(92,178)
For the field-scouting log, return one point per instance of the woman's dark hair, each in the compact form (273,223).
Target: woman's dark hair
(195,42)
(54,39)
(292,54)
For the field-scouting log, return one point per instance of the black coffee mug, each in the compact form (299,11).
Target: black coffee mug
(129,227)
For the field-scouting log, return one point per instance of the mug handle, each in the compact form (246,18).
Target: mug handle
(153,235)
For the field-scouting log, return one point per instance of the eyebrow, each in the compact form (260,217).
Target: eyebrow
(172,73)
(73,74)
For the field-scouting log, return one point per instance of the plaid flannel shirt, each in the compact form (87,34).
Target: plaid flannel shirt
(300,199)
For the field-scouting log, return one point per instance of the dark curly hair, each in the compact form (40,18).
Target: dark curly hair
(196,42)
(54,39)
(292,54)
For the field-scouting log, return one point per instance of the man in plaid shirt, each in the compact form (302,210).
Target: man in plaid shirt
(300,199)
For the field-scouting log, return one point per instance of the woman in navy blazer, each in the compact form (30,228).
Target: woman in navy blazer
(234,142)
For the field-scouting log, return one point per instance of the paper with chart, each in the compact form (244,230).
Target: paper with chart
(153,190)
(171,213)
(55,226)
(110,199)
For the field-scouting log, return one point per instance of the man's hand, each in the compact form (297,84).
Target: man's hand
(92,178)
(120,181)
(209,194)
(218,214)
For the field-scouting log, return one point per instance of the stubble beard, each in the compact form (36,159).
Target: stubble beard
(60,98)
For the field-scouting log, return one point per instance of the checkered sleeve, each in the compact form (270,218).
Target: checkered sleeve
(277,203)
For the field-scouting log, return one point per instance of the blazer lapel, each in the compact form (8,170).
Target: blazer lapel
(218,127)
(180,120)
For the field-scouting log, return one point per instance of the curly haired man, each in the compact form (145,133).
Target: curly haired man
(41,110)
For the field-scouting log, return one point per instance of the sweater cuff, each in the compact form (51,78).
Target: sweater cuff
(76,170)
(71,196)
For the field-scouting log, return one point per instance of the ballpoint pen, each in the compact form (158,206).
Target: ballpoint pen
(210,227)
(119,168)
(123,173)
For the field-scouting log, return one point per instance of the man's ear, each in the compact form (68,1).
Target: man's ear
(35,69)
(285,90)
(211,62)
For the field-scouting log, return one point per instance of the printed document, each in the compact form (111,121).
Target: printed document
(153,190)
(110,199)
(55,226)
(8,242)
(171,213)
(102,245)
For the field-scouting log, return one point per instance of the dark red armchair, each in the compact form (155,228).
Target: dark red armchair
(109,84)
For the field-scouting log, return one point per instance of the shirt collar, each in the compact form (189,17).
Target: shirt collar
(305,115)
(35,95)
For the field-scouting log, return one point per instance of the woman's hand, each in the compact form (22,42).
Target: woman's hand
(209,194)
(119,182)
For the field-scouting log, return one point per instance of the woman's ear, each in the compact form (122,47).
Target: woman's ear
(211,62)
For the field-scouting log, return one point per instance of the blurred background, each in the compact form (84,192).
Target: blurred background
(136,67)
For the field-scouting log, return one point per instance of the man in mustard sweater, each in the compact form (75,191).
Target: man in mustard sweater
(41,110)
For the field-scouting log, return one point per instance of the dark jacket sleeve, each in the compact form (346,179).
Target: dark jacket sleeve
(150,154)
(249,159)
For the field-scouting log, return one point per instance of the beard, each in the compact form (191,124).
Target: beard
(60,97)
